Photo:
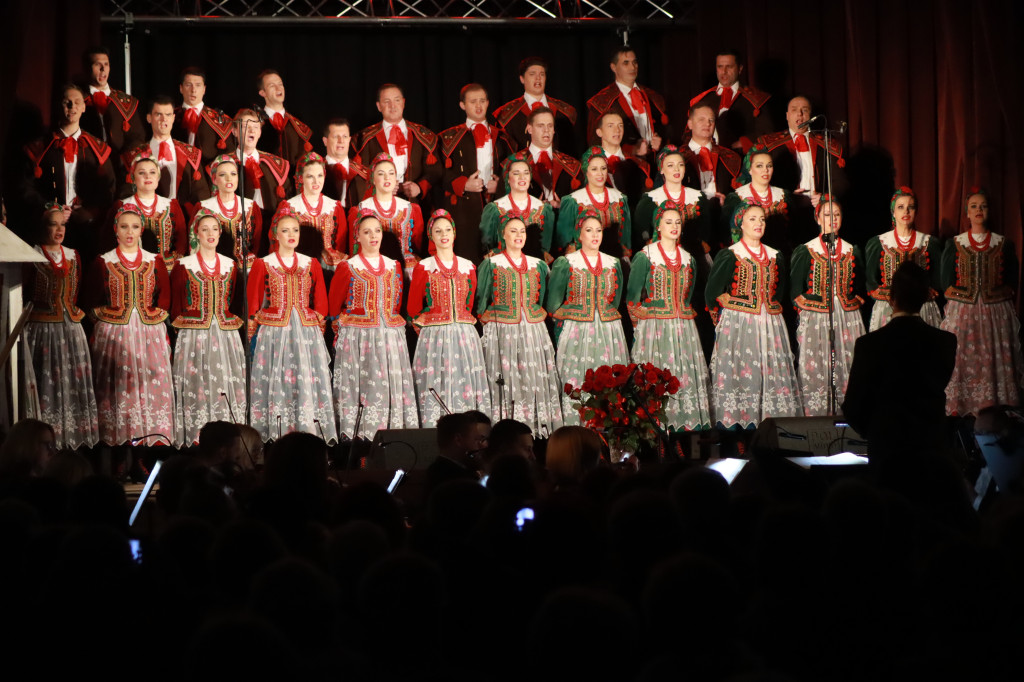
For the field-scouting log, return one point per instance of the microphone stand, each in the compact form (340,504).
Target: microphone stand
(830,277)
(243,238)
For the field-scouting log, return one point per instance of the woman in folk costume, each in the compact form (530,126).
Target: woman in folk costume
(131,356)
(979,270)
(518,353)
(401,221)
(608,203)
(371,356)
(810,288)
(583,296)
(323,223)
(694,203)
(56,341)
(209,362)
(539,217)
(291,376)
(226,205)
(758,170)
(752,376)
(889,250)
(163,223)
(659,299)
(449,358)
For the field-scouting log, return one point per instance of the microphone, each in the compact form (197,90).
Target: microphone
(136,441)
(228,403)
(439,401)
(842,127)
(806,124)
(321,429)
(279,427)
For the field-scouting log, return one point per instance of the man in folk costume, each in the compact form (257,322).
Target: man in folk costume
(472,158)
(799,158)
(628,174)
(283,134)
(413,147)
(266,175)
(643,111)
(346,178)
(198,124)
(741,113)
(181,165)
(112,116)
(513,116)
(711,169)
(554,174)
(73,169)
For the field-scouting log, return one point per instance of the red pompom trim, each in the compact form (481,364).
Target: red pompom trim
(448,163)
(280,191)
(308,147)
(197,175)
(221,144)
(455,200)
(125,126)
(38,172)
(841,162)
(664,120)
(431,158)
(575,183)
(648,183)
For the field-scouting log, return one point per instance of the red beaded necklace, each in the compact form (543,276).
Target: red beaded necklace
(516,209)
(764,201)
(375,271)
(523,264)
(62,264)
(824,248)
(905,245)
(979,245)
(319,205)
(147,211)
(761,257)
(599,205)
(130,264)
(448,272)
(288,268)
(213,272)
(670,263)
(229,214)
(594,270)
(390,213)
(675,200)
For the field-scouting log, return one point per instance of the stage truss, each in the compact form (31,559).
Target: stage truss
(618,11)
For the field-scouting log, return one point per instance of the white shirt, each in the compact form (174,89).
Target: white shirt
(485,154)
(271,112)
(171,166)
(643,121)
(199,112)
(257,197)
(707,178)
(530,99)
(535,151)
(735,87)
(401,161)
(106,91)
(69,172)
(331,161)
(620,156)
(805,162)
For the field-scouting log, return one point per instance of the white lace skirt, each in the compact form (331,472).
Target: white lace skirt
(209,380)
(523,356)
(583,346)
(674,345)
(450,359)
(988,367)
(812,340)
(881,313)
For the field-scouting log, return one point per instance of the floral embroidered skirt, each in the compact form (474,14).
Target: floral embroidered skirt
(881,313)
(371,365)
(813,356)
(583,346)
(450,359)
(209,380)
(988,367)
(291,382)
(523,356)
(752,375)
(63,380)
(134,389)
(674,345)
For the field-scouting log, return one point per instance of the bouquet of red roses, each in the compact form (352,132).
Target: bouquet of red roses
(622,401)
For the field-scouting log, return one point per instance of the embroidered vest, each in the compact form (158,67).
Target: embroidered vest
(373,301)
(893,257)
(515,295)
(206,297)
(815,297)
(287,290)
(979,273)
(129,290)
(753,284)
(399,224)
(447,300)
(612,215)
(233,225)
(589,294)
(666,290)
(161,226)
(56,291)
(323,223)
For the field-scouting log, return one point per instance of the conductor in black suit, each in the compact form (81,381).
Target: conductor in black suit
(896,395)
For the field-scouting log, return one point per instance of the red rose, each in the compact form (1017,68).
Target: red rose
(568,389)
(673,385)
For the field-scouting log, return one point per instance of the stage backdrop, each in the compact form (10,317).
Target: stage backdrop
(931,90)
